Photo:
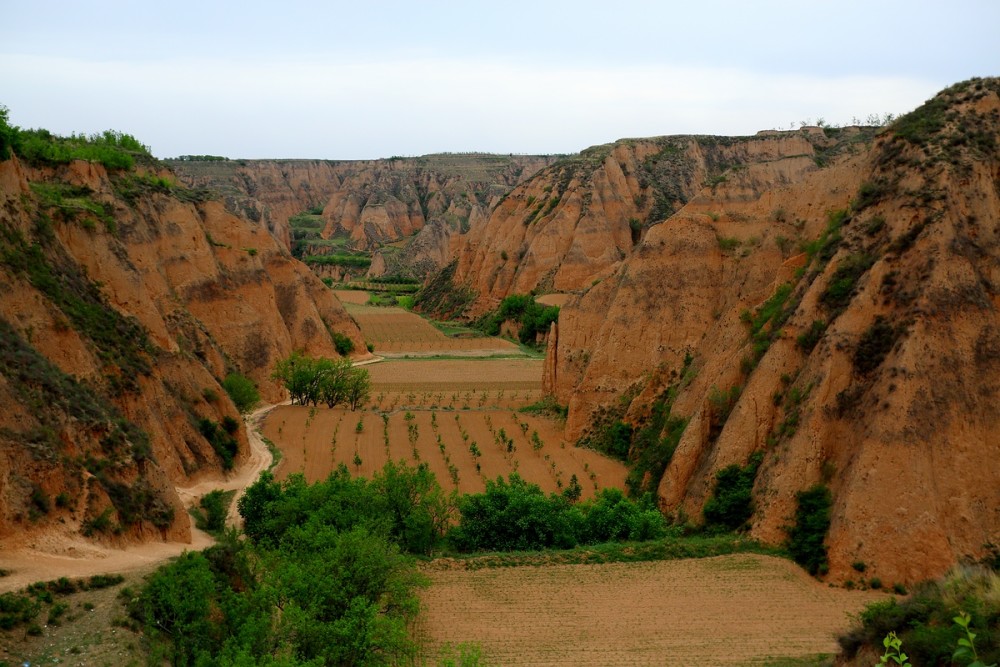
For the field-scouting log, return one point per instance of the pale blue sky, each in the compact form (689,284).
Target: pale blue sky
(363,80)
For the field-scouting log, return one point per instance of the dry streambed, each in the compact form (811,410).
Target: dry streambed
(727,610)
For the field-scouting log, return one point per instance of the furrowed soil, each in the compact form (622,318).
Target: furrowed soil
(730,610)
(463,448)
(395,330)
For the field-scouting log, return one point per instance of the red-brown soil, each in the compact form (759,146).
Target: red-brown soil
(728,610)
(314,441)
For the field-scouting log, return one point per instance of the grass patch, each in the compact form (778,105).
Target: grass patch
(675,546)
(548,406)
(841,288)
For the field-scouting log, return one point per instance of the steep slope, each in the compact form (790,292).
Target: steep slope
(868,364)
(126,299)
(576,221)
(367,204)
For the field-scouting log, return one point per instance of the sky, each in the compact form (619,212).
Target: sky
(360,80)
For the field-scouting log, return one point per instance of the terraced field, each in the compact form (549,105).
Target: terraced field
(395,330)
(461,416)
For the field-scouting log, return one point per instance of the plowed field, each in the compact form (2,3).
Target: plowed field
(728,610)
(398,331)
(457,376)
(463,448)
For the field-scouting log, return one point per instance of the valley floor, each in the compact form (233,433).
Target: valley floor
(727,610)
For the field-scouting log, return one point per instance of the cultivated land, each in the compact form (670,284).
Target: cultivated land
(730,610)
(460,416)
(738,609)
(395,330)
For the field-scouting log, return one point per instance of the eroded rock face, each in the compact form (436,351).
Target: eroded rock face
(117,332)
(369,202)
(890,400)
(575,222)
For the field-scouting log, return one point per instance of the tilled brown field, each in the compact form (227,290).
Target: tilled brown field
(398,330)
(463,448)
(727,610)
(456,376)
(358,297)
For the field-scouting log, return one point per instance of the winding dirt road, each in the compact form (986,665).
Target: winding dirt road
(63,552)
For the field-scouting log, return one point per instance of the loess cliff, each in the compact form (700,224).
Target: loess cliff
(408,207)
(835,313)
(125,301)
(576,221)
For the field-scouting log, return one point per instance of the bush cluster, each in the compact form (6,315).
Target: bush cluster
(924,621)
(242,391)
(731,503)
(531,317)
(514,515)
(115,150)
(220,436)
(812,521)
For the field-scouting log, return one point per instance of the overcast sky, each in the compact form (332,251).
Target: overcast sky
(372,79)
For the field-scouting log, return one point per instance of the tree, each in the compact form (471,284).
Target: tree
(310,381)
(335,382)
(243,392)
(359,387)
(298,373)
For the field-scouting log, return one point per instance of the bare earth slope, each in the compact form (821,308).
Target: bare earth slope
(890,396)
(576,221)
(125,302)
(369,201)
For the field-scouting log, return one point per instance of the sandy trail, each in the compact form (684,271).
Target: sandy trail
(63,552)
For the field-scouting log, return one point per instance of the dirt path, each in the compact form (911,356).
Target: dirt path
(256,463)
(63,552)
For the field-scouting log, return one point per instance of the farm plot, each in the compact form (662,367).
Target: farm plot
(463,448)
(457,376)
(358,297)
(727,610)
(395,330)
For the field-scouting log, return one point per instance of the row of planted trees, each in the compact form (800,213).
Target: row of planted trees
(311,381)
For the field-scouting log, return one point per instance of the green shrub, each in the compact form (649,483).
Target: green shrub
(224,444)
(653,446)
(870,193)
(731,503)
(931,622)
(216,506)
(808,339)
(812,521)
(242,391)
(16,609)
(722,403)
(8,134)
(514,515)
(343,344)
(840,290)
